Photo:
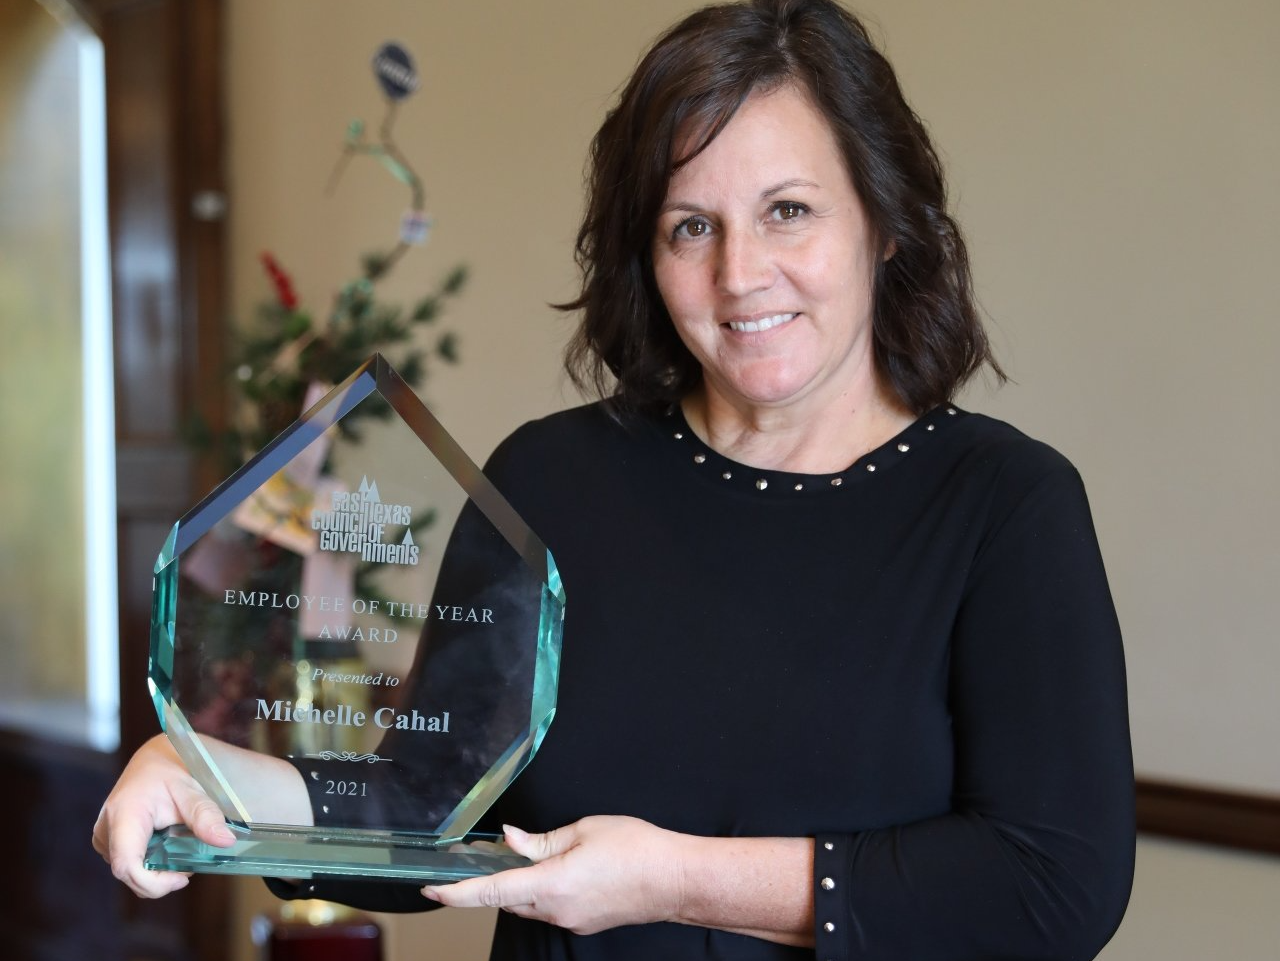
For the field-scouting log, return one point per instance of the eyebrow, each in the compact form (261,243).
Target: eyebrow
(787,185)
(766,194)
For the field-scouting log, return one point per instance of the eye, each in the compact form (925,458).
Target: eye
(788,210)
(691,228)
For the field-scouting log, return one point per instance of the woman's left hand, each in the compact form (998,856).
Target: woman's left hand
(597,873)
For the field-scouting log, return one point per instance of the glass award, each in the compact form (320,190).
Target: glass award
(356,614)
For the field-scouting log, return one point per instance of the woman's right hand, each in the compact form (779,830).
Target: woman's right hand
(154,792)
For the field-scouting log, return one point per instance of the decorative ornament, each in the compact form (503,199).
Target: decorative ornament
(394,69)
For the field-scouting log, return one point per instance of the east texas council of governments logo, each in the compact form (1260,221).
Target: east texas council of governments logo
(357,522)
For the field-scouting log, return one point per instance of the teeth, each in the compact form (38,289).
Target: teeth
(764,323)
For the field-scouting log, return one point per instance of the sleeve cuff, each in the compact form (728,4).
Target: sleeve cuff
(832,919)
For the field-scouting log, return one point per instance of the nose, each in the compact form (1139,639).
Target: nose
(745,262)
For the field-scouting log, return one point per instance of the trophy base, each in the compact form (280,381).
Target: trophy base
(285,852)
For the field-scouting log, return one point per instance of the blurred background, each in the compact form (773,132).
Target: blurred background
(1113,164)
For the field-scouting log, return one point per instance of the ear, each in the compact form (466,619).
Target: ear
(890,249)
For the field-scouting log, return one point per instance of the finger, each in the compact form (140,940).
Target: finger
(146,883)
(198,812)
(123,843)
(123,846)
(100,833)
(502,890)
(485,847)
(539,847)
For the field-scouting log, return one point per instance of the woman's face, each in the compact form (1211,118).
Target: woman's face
(765,259)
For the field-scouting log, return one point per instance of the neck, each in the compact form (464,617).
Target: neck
(801,439)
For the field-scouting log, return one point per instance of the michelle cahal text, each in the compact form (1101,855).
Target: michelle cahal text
(344,715)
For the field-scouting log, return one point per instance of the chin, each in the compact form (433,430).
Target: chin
(770,395)
(774,388)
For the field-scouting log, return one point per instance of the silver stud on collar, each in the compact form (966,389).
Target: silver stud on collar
(763,483)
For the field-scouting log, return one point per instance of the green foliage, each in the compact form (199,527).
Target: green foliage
(447,348)
(287,351)
(456,280)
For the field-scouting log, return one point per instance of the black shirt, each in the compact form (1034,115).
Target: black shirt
(915,660)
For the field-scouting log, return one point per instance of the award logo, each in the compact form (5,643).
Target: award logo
(356,523)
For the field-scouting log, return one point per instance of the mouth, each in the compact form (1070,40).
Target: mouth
(761,323)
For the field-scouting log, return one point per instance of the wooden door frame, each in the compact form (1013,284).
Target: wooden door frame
(164,91)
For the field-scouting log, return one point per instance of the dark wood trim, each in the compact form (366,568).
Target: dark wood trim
(141,78)
(200,165)
(1209,815)
(163,61)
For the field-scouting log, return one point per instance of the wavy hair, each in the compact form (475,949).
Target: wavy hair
(928,337)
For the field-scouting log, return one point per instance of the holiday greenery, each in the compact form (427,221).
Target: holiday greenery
(288,350)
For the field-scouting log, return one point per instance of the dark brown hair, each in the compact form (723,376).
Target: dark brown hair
(927,334)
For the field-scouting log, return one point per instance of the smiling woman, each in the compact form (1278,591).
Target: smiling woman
(777,311)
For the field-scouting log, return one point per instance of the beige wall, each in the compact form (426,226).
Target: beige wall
(1114,164)
(1192,902)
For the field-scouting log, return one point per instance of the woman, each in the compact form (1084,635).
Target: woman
(843,671)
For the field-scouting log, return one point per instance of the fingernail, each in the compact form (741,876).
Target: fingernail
(514,833)
(431,894)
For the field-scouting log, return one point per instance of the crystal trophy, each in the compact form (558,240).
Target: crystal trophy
(360,616)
